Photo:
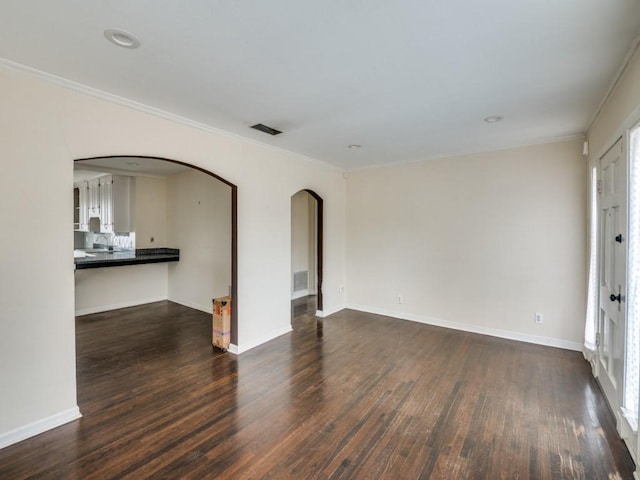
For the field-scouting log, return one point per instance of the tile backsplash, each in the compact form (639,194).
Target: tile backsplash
(120,240)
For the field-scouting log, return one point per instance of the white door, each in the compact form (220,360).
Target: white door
(613,235)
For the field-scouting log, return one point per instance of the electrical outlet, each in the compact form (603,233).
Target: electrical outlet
(538,318)
(399,299)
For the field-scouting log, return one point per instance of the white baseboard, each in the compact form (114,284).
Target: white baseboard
(465,327)
(259,341)
(36,428)
(196,306)
(115,306)
(329,311)
(300,294)
(233,349)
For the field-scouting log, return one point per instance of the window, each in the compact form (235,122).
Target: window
(632,347)
(592,294)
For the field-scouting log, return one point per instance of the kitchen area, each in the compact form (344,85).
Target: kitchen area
(165,226)
(104,219)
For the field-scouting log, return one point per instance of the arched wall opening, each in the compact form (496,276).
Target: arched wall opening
(130,161)
(307,212)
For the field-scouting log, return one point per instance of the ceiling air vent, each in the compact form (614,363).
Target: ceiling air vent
(265,129)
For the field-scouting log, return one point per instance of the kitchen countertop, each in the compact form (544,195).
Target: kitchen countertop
(119,258)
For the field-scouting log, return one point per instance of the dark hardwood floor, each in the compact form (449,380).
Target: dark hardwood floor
(353,396)
(302,310)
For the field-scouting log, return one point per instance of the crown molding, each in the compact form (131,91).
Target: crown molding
(148,109)
(502,148)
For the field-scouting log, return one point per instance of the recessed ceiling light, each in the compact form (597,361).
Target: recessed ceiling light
(494,118)
(355,146)
(122,38)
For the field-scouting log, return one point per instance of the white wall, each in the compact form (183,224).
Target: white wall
(620,113)
(43,127)
(37,341)
(150,212)
(621,110)
(302,239)
(312,215)
(478,242)
(199,224)
(300,232)
(103,289)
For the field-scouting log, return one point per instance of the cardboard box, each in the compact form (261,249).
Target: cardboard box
(221,322)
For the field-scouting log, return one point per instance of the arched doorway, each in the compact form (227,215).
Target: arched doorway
(128,163)
(307,250)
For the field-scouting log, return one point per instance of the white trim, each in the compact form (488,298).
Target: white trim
(300,294)
(628,435)
(233,348)
(465,327)
(94,92)
(126,102)
(616,79)
(27,431)
(464,153)
(264,339)
(590,356)
(632,119)
(330,311)
(115,306)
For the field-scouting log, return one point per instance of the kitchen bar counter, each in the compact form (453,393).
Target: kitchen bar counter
(127,257)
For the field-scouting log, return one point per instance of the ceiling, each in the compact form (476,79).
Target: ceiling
(146,166)
(406,80)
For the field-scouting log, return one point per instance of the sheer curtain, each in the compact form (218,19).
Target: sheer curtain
(592,293)
(632,350)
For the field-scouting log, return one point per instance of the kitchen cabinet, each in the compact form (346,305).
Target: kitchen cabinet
(94,197)
(81,206)
(109,198)
(106,203)
(116,195)
(76,207)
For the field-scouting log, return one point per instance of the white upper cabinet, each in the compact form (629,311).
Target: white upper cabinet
(81,206)
(94,197)
(109,198)
(116,194)
(106,203)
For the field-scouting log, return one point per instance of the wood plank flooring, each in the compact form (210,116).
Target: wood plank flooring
(354,396)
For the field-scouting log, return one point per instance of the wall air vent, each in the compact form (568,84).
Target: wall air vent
(300,280)
(265,129)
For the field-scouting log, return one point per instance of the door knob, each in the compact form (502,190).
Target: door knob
(613,298)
